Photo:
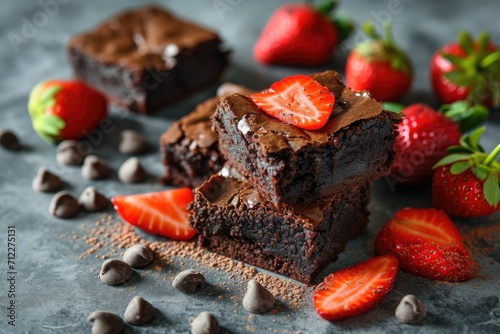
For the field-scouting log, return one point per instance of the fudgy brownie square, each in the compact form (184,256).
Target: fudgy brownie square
(145,58)
(288,164)
(297,241)
(189,147)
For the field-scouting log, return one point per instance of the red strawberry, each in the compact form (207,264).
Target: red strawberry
(298,100)
(426,243)
(355,290)
(467,70)
(164,212)
(466,182)
(379,66)
(424,136)
(65,109)
(299,34)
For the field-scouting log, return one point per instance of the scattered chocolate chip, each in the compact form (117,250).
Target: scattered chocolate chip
(131,171)
(92,200)
(139,311)
(132,142)
(410,310)
(64,205)
(205,323)
(114,272)
(46,181)
(9,141)
(95,168)
(138,256)
(257,298)
(188,281)
(105,323)
(70,152)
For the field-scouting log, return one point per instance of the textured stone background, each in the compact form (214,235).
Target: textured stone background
(56,291)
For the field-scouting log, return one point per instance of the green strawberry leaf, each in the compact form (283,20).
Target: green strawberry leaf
(465,115)
(466,42)
(327,7)
(455,60)
(452,158)
(481,172)
(49,125)
(492,189)
(393,107)
(369,30)
(483,41)
(474,139)
(459,167)
(47,97)
(456,149)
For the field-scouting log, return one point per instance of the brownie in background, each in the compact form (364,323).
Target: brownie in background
(146,58)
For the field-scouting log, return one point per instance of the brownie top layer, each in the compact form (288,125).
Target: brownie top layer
(196,126)
(148,37)
(274,135)
(223,192)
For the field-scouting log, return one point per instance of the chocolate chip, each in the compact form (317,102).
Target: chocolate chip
(95,168)
(64,205)
(105,323)
(70,152)
(92,200)
(138,256)
(188,281)
(410,310)
(131,171)
(342,103)
(132,142)
(114,272)
(205,323)
(9,141)
(257,298)
(46,181)
(139,311)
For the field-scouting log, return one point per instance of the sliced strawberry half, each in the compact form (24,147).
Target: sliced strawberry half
(298,100)
(426,243)
(164,212)
(356,289)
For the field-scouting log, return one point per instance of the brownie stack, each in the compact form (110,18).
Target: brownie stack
(297,196)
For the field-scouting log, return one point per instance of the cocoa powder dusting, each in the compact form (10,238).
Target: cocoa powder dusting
(110,237)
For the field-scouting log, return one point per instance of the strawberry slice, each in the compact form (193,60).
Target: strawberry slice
(164,212)
(298,100)
(426,243)
(356,289)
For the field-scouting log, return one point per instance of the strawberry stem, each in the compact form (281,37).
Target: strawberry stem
(388,35)
(491,157)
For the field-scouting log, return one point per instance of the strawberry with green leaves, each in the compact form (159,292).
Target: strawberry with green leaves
(62,110)
(163,212)
(466,182)
(298,100)
(357,289)
(379,66)
(426,243)
(302,34)
(467,70)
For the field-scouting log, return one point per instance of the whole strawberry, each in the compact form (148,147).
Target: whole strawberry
(379,66)
(300,34)
(466,182)
(65,109)
(424,136)
(467,70)
(426,243)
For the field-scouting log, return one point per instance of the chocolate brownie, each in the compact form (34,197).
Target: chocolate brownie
(145,58)
(189,147)
(297,241)
(288,164)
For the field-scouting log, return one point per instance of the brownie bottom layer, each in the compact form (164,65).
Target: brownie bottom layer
(298,241)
